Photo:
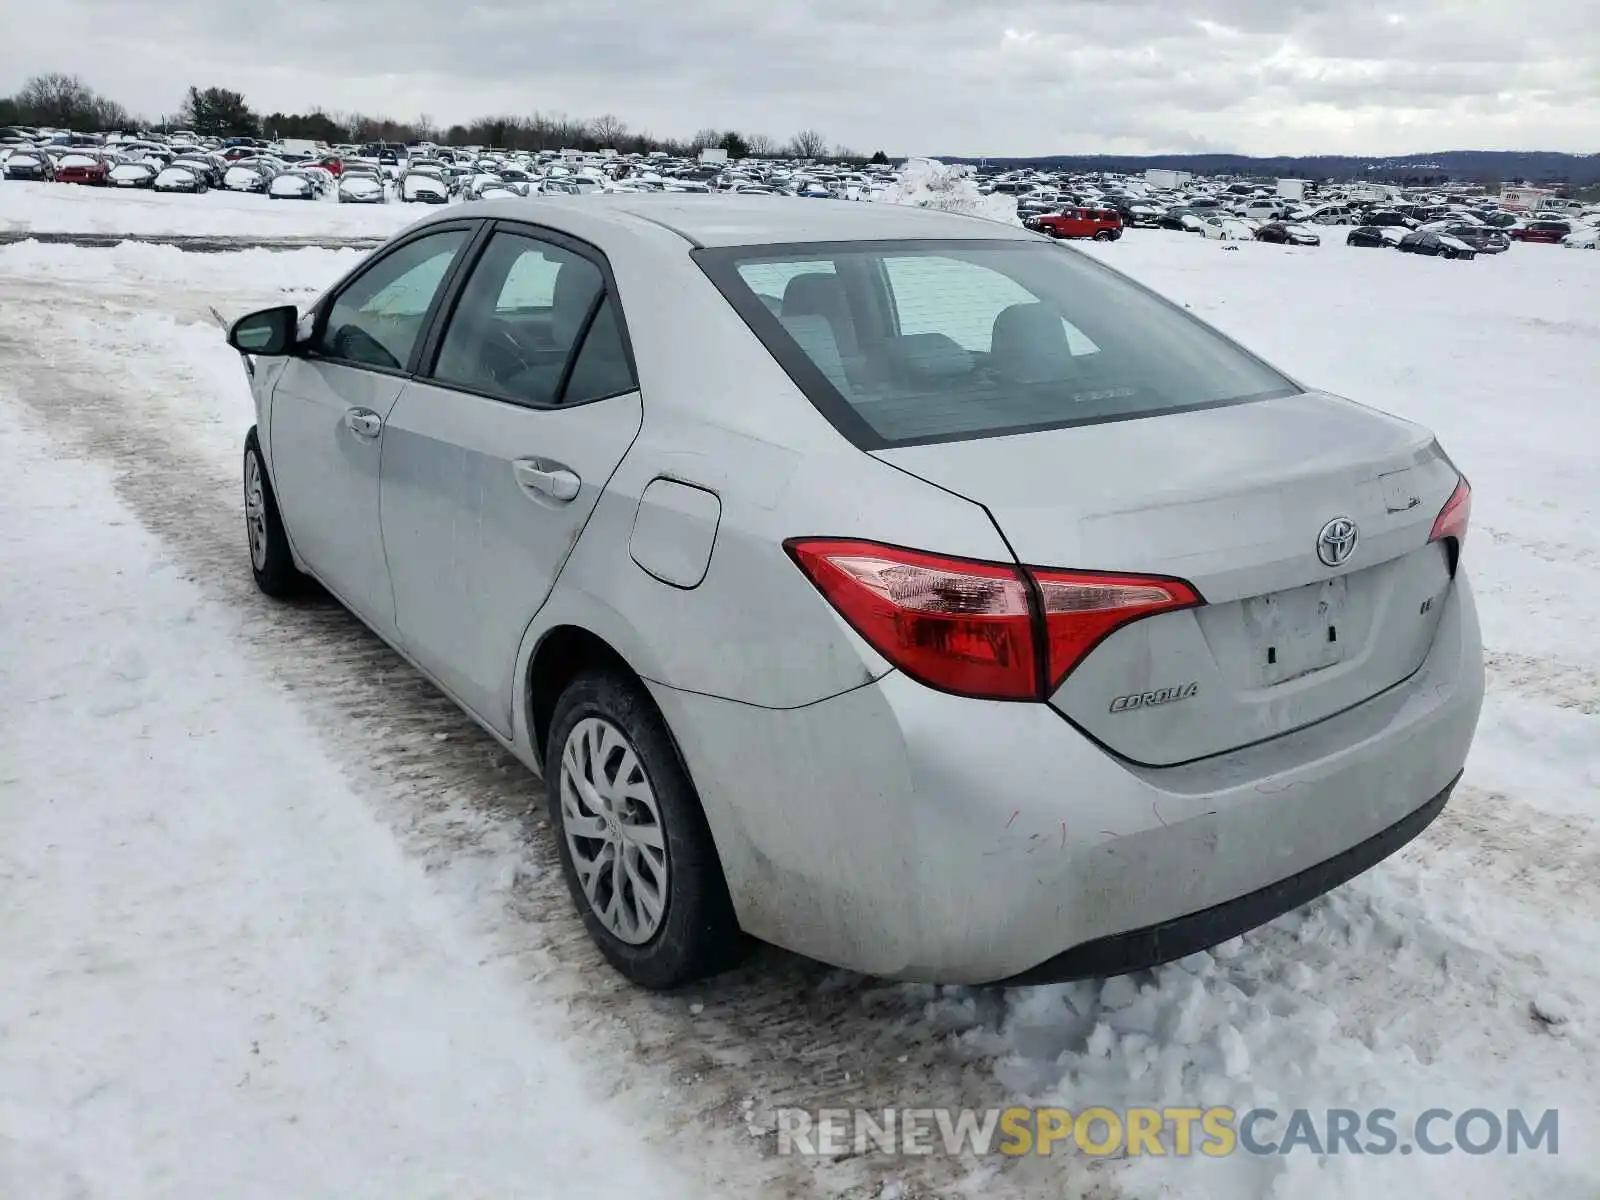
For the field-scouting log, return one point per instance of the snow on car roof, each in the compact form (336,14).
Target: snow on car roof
(735,220)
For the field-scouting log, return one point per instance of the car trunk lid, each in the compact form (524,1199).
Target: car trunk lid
(1234,500)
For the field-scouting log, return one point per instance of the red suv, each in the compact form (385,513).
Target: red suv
(1101,224)
(1540,231)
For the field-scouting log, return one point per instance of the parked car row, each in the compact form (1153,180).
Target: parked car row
(1233,210)
(420,173)
(1093,205)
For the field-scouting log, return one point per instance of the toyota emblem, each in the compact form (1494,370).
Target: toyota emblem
(1337,541)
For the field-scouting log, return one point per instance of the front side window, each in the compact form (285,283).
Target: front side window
(377,319)
(907,342)
(519,323)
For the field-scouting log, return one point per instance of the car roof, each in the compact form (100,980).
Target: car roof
(734,220)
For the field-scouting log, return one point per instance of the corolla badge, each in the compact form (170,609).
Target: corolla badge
(1166,695)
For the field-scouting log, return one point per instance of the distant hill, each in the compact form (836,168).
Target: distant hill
(1473,166)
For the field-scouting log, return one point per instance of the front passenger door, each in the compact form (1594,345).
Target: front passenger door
(329,410)
(493,461)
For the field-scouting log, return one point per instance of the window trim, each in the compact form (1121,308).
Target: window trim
(433,338)
(721,265)
(324,307)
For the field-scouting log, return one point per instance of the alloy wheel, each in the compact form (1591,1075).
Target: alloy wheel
(613,829)
(255,512)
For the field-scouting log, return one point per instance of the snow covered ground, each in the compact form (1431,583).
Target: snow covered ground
(64,208)
(222,975)
(281,922)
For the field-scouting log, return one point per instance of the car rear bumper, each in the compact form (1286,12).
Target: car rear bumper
(911,834)
(1165,941)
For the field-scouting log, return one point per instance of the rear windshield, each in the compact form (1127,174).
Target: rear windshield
(900,343)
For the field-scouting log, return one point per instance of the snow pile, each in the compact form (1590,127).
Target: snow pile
(291,274)
(929,183)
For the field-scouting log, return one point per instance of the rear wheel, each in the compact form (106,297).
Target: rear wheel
(1105,235)
(634,844)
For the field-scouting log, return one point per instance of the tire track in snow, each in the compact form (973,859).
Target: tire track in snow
(1564,684)
(778,1031)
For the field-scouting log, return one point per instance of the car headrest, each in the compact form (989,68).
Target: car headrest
(928,356)
(574,291)
(814,335)
(1029,344)
(821,294)
(814,294)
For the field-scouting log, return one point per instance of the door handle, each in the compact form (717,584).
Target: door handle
(547,478)
(363,422)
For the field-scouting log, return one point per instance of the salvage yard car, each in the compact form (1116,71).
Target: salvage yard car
(91,169)
(293,184)
(1375,236)
(1435,245)
(30,164)
(1099,224)
(424,184)
(361,185)
(180,177)
(1285,234)
(1540,231)
(132,175)
(885,584)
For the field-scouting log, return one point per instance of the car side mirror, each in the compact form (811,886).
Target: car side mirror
(268,332)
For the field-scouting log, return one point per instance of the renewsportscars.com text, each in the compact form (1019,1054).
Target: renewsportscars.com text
(1180,1132)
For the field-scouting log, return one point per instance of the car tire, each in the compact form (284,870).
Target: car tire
(1105,235)
(601,719)
(270,559)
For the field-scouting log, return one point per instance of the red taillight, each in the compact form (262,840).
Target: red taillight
(974,628)
(1081,609)
(954,624)
(1452,519)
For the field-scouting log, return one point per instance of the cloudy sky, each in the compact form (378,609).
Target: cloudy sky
(906,76)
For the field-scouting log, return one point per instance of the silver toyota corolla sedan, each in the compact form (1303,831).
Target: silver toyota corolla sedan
(901,588)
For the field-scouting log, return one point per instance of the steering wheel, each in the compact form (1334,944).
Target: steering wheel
(503,356)
(356,344)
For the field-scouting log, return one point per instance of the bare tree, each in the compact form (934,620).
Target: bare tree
(763,146)
(808,143)
(608,130)
(65,101)
(704,139)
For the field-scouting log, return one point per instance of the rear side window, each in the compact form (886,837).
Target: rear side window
(601,368)
(900,343)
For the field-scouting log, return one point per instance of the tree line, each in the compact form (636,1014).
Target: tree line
(67,102)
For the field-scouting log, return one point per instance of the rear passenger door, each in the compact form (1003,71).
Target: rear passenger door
(494,456)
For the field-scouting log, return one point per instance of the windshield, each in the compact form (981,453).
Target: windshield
(899,343)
